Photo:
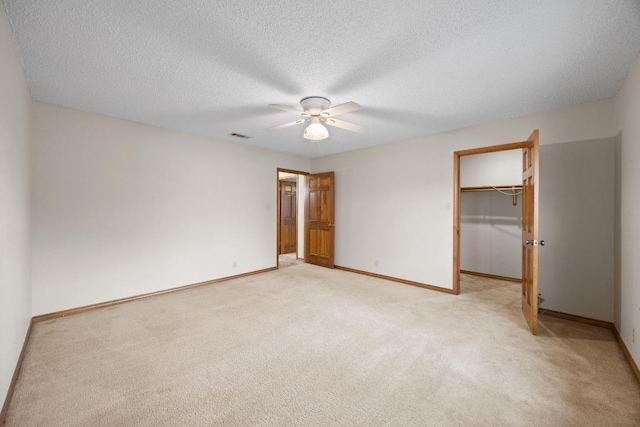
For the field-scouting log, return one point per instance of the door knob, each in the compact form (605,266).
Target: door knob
(331,225)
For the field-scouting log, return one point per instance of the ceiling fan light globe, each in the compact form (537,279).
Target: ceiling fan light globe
(316,132)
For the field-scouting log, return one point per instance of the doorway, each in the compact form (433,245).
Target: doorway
(529,235)
(290,217)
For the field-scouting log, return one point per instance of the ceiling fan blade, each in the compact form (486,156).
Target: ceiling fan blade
(288,109)
(345,125)
(286,125)
(347,107)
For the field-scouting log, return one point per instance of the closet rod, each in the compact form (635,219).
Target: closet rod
(497,187)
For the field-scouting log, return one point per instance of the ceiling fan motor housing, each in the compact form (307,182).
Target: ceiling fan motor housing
(314,104)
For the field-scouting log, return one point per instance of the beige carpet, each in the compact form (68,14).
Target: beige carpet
(308,346)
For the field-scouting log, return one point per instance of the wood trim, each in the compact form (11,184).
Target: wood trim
(492,276)
(456,223)
(278,207)
(297,193)
(493,148)
(395,279)
(498,187)
(575,318)
(625,351)
(16,372)
(72,311)
(292,171)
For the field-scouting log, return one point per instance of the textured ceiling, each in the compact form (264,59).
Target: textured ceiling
(416,67)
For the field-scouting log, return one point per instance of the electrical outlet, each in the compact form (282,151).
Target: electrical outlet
(235,264)
(376,263)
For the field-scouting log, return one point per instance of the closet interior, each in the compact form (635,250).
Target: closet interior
(491,215)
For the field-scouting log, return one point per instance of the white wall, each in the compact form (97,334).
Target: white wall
(491,169)
(393,202)
(121,208)
(627,113)
(15,290)
(617,235)
(577,189)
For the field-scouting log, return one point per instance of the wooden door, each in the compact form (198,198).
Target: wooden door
(319,229)
(288,217)
(530,232)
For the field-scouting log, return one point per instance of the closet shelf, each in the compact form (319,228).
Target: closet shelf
(497,187)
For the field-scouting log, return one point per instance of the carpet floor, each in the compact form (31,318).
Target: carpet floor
(309,346)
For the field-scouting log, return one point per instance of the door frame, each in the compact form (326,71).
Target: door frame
(456,198)
(293,183)
(278,170)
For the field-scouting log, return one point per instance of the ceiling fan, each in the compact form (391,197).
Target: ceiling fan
(317,110)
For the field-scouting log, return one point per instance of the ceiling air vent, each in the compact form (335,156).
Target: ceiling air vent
(239,135)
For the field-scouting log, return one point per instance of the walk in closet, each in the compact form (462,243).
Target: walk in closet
(491,214)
